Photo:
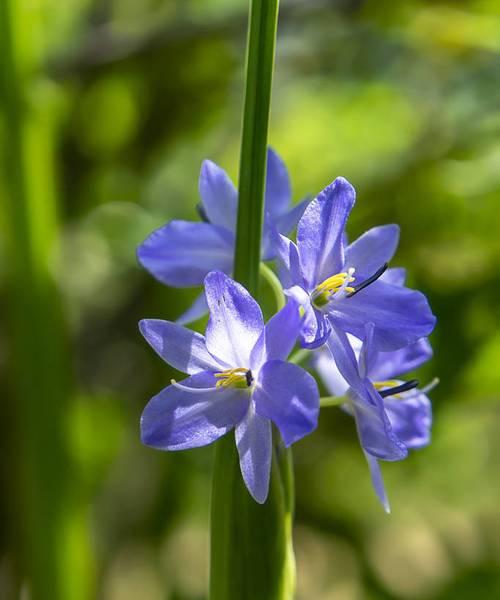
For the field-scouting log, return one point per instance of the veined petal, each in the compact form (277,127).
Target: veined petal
(181,253)
(411,419)
(288,396)
(368,353)
(235,321)
(278,191)
(287,256)
(254,443)
(320,231)
(218,195)
(377,481)
(177,419)
(198,309)
(400,315)
(181,348)
(371,250)
(390,365)
(278,337)
(374,428)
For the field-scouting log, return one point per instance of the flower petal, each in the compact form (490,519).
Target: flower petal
(377,481)
(390,365)
(400,315)
(345,359)
(320,231)
(198,309)
(288,221)
(235,321)
(181,253)
(254,443)
(315,328)
(396,276)
(181,348)
(219,196)
(278,337)
(278,191)
(329,373)
(371,250)
(283,224)
(288,396)
(411,419)
(374,428)
(177,419)
(287,256)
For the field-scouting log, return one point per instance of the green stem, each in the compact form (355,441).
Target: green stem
(251,544)
(327,401)
(274,283)
(259,73)
(299,356)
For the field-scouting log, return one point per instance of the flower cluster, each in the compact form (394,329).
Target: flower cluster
(363,327)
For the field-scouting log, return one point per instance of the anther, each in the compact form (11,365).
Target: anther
(249,378)
(200,209)
(369,281)
(404,387)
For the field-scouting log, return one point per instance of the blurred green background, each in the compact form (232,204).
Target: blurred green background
(108,108)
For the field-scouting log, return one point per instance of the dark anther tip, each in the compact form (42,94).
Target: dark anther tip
(378,273)
(404,387)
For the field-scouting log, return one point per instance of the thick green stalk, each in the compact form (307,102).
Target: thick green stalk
(39,494)
(251,544)
(259,74)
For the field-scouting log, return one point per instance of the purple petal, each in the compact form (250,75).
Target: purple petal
(400,315)
(278,337)
(287,256)
(235,321)
(329,373)
(278,192)
(288,396)
(390,365)
(181,253)
(219,196)
(198,309)
(395,276)
(254,443)
(345,359)
(320,231)
(283,224)
(287,222)
(373,425)
(315,327)
(377,481)
(411,419)
(181,348)
(370,251)
(177,419)
(368,353)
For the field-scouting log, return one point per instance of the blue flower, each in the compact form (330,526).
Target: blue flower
(346,285)
(181,253)
(391,416)
(237,379)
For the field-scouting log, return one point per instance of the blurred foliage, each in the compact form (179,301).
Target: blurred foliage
(402,98)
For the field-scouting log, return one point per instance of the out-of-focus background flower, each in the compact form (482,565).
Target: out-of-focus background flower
(108,108)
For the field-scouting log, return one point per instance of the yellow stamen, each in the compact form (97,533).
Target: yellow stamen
(232,378)
(380,385)
(328,288)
